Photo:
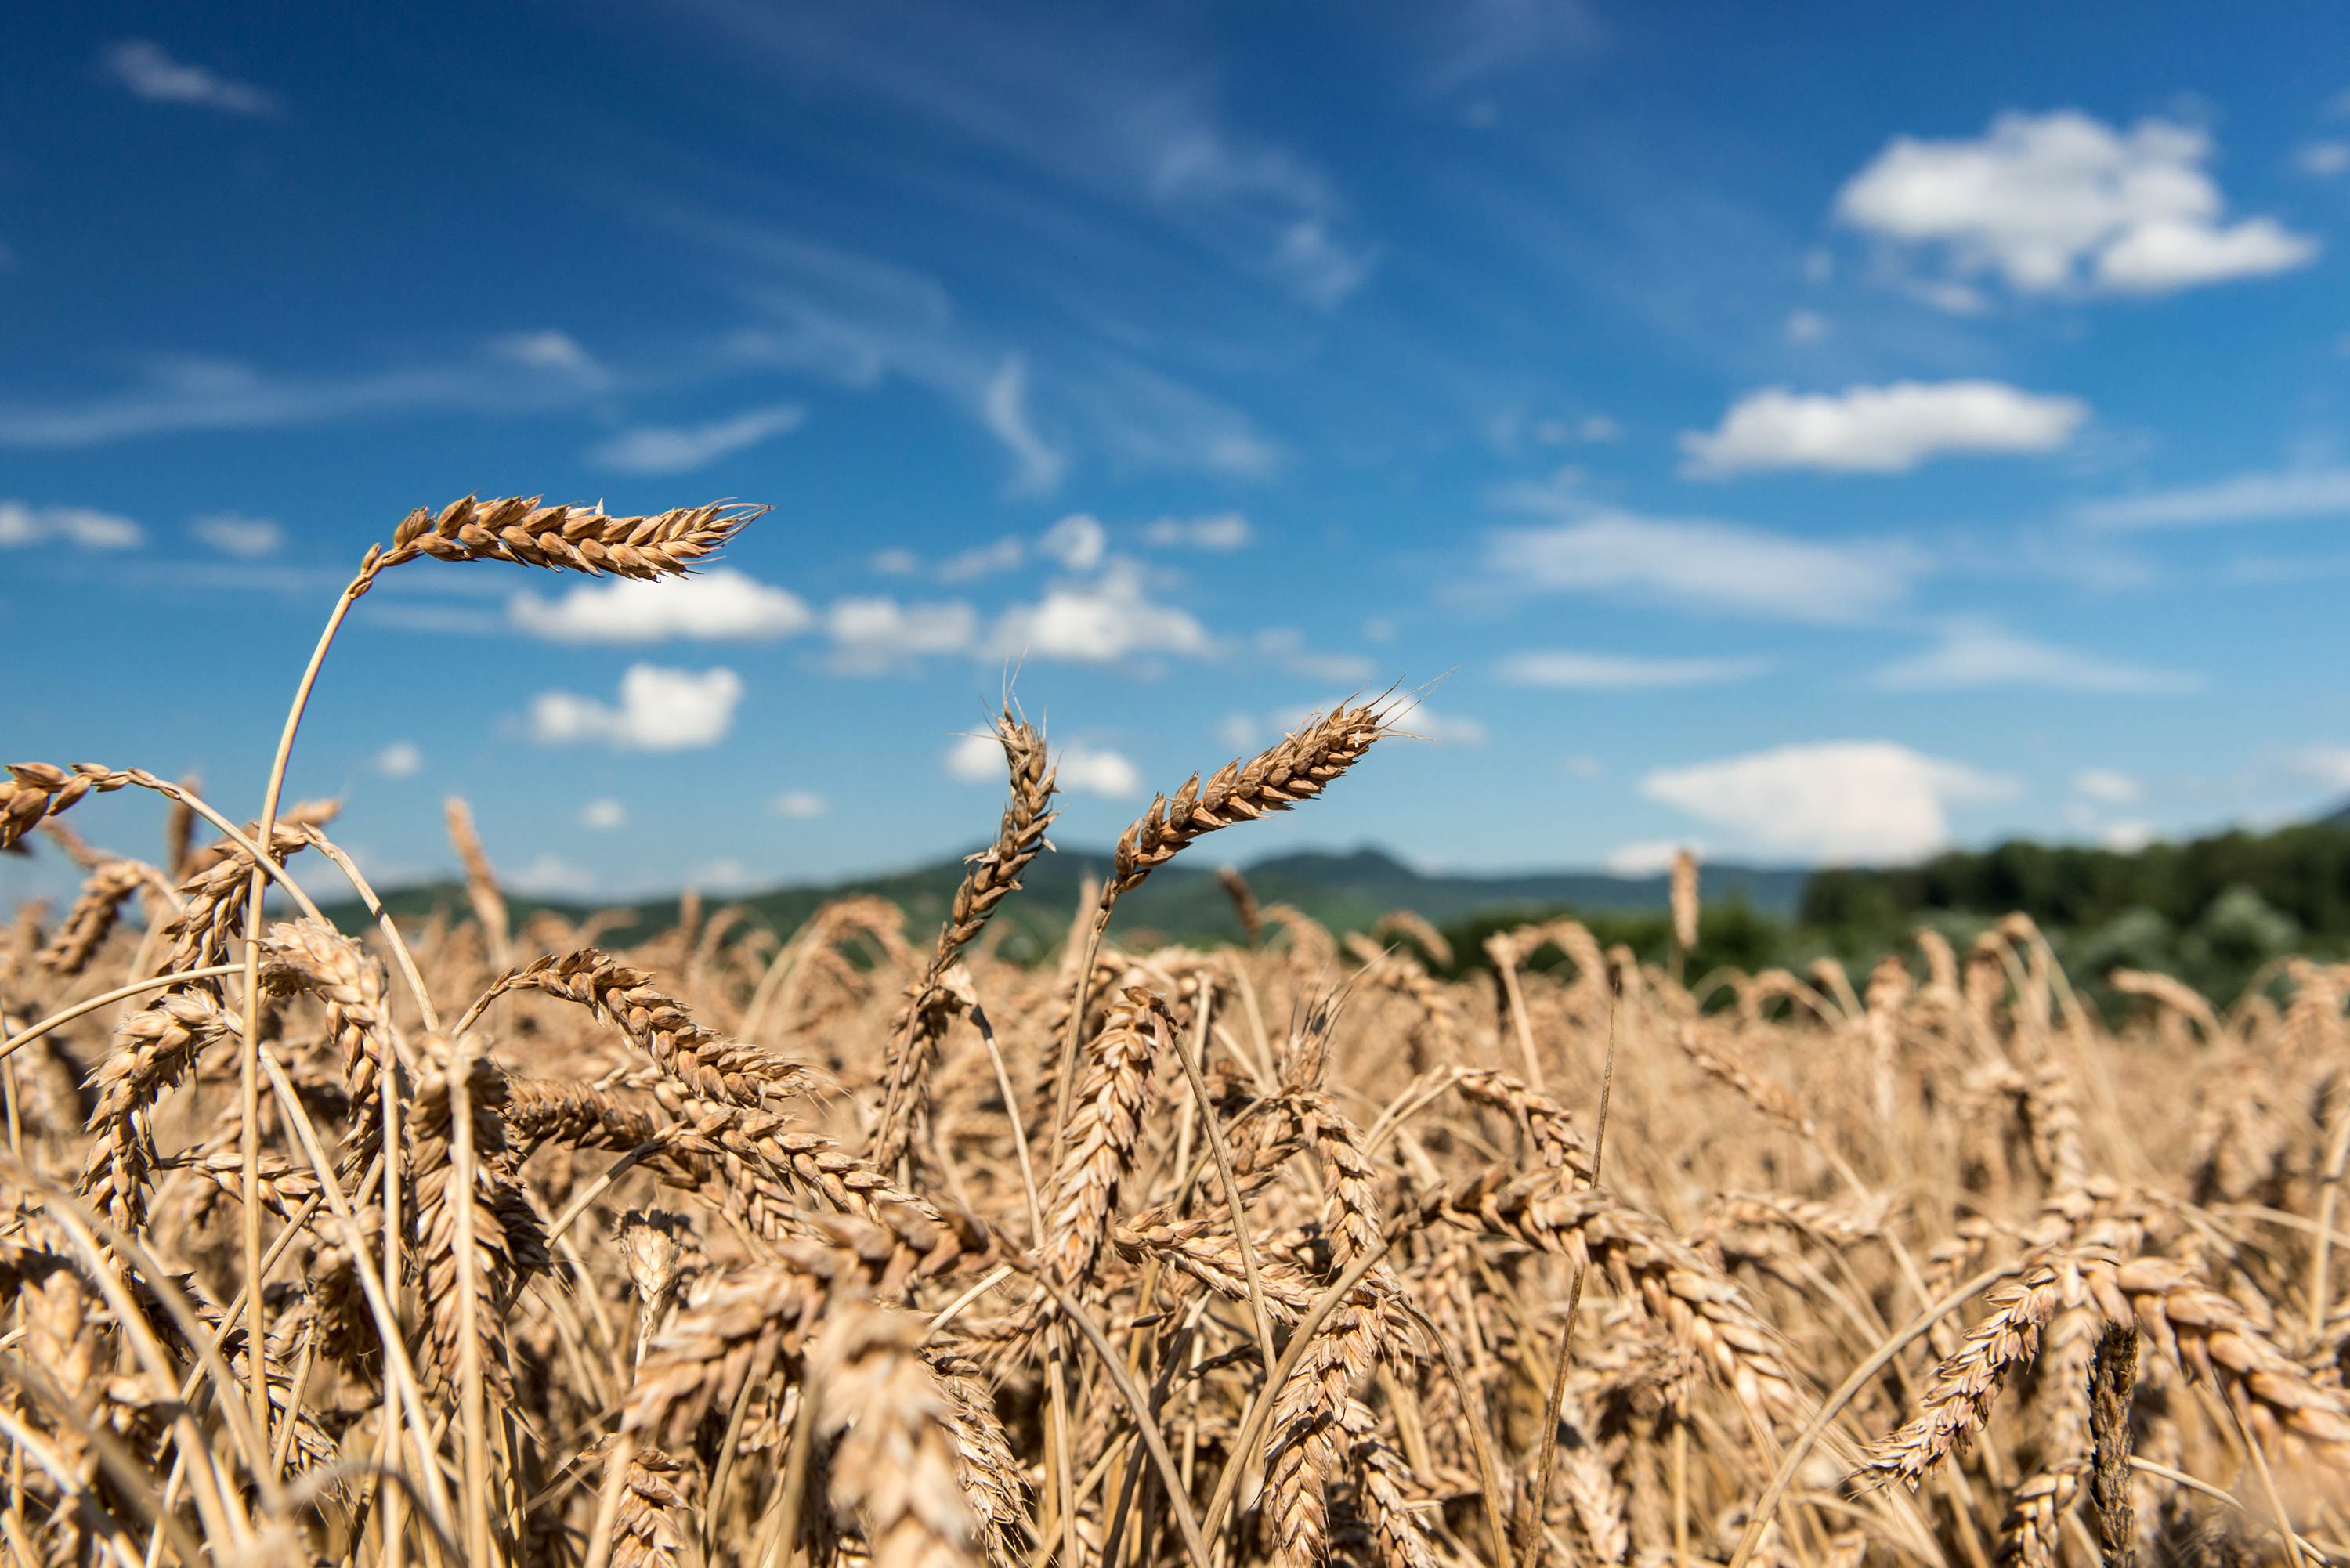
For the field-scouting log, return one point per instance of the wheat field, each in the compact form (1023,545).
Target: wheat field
(863,1244)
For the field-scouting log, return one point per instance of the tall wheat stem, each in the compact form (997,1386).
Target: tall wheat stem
(257,1320)
(1547,1463)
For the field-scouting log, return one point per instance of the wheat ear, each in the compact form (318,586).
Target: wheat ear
(994,876)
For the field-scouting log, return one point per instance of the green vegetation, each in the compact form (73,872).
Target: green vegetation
(2213,912)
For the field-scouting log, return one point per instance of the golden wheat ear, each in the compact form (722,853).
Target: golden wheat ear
(569,539)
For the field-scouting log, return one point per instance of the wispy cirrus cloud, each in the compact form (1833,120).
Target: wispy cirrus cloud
(1700,564)
(176,394)
(659,449)
(2242,498)
(1569,669)
(150,72)
(1976,654)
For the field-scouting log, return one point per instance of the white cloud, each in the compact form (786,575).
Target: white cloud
(896,562)
(1099,623)
(1285,646)
(2061,202)
(22,525)
(666,451)
(976,759)
(549,350)
(1445,728)
(1223,531)
(250,538)
(2328,767)
(149,73)
(399,760)
(1647,856)
(870,635)
(661,710)
(1240,731)
(1572,670)
(1806,327)
(1881,430)
(2324,159)
(2127,838)
(1084,770)
(984,560)
(2246,498)
(1076,542)
(722,604)
(1975,654)
(1835,801)
(1003,409)
(2107,785)
(801,803)
(552,877)
(1706,565)
(183,392)
(724,874)
(603,815)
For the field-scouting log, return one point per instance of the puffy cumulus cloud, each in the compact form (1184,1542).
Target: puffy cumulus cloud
(603,815)
(1977,654)
(719,605)
(1571,671)
(801,803)
(1081,769)
(1089,770)
(661,449)
(977,759)
(1705,565)
(2245,498)
(551,876)
(2108,785)
(661,710)
(873,636)
(2324,159)
(723,874)
(399,760)
(22,525)
(1099,623)
(1865,801)
(2328,767)
(2061,202)
(1076,542)
(150,73)
(249,537)
(1223,531)
(1881,430)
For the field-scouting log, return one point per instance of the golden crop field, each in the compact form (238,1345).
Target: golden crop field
(863,1244)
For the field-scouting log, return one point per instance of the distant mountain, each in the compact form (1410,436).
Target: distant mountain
(1182,901)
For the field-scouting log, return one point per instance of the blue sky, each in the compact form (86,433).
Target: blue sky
(1814,433)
